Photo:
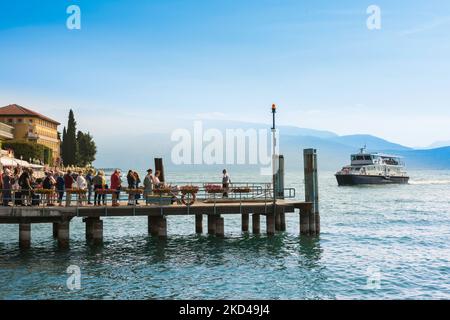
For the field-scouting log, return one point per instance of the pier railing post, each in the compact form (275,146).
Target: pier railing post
(312,188)
(24,235)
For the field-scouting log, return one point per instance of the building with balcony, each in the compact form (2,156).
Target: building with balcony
(32,126)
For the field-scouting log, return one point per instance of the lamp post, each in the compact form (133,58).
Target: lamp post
(274,143)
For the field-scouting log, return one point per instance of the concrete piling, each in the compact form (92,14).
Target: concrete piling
(198,223)
(24,235)
(270,224)
(220,228)
(211,224)
(162,231)
(245,217)
(153,228)
(256,223)
(97,231)
(282,220)
(55,229)
(63,234)
(304,222)
(277,221)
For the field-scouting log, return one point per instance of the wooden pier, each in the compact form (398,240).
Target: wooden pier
(60,218)
(214,211)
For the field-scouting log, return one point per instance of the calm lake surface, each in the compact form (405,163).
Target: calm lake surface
(377,242)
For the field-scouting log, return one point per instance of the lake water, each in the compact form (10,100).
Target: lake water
(377,242)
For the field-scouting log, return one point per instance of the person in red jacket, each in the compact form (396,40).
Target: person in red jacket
(115,184)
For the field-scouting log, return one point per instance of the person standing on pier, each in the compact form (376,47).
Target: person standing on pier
(225,183)
(25,181)
(6,186)
(82,185)
(90,185)
(116,185)
(137,196)
(131,179)
(156,181)
(148,185)
(60,186)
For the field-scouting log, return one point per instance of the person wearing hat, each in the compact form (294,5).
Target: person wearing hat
(148,185)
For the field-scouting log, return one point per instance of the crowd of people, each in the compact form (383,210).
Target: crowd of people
(19,186)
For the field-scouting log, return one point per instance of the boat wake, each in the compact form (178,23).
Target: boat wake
(428,182)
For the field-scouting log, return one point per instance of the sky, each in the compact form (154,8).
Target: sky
(137,66)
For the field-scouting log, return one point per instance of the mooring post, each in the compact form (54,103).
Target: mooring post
(63,234)
(162,232)
(55,229)
(220,228)
(199,223)
(24,235)
(312,188)
(211,224)
(245,220)
(256,223)
(159,167)
(279,178)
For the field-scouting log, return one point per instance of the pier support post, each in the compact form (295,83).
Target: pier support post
(24,235)
(278,220)
(94,230)
(312,188)
(245,220)
(63,234)
(153,226)
(162,231)
(55,229)
(270,223)
(304,221)
(282,220)
(211,224)
(220,228)
(256,223)
(279,178)
(199,223)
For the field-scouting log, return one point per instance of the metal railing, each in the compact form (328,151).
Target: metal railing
(236,192)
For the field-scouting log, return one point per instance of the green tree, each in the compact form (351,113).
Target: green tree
(86,149)
(29,150)
(70,145)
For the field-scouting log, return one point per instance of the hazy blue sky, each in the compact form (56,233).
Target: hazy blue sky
(146,62)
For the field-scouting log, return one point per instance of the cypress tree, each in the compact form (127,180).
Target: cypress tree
(70,142)
(63,145)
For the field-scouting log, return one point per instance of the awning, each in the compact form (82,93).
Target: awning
(12,162)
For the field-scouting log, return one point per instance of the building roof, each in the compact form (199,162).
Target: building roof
(16,110)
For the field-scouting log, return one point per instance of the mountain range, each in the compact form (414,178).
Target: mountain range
(137,151)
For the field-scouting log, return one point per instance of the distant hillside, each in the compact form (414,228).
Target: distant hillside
(138,151)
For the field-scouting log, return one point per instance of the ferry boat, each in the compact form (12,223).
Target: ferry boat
(372,168)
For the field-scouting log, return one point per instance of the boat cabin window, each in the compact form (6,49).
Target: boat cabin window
(367,158)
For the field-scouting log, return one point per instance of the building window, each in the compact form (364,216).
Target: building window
(10,120)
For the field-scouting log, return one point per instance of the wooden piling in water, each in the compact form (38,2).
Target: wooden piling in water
(245,217)
(256,223)
(211,224)
(199,223)
(97,231)
(277,221)
(63,234)
(282,220)
(220,228)
(153,228)
(312,188)
(24,235)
